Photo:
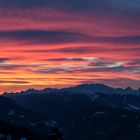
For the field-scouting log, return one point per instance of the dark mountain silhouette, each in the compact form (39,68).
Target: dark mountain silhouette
(17,123)
(99,93)
(88,111)
(83,88)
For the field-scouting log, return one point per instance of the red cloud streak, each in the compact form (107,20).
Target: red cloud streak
(51,47)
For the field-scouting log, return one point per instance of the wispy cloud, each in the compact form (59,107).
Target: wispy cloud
(58,43)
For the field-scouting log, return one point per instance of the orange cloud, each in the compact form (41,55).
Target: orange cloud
(56,47)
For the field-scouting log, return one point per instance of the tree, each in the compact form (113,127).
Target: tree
(55,134)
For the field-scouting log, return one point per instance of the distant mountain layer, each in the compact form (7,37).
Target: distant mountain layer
(88,111)
(83,88)
(101,94)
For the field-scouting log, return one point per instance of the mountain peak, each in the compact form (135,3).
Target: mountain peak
(93,85)
(129,88)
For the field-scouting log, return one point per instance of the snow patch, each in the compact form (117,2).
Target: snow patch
(23,139)
(93,98)
(1,136)
(99,113)
(32,124)
(134,107)
(124,115)
(50,124)
(22,116)
(138,125)
(11,112)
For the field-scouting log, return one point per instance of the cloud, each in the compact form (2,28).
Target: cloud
(53,37)
(114,69)
(71,59)
(116,82)
(42,36)
(53,70)
(75,5)
(106,63)
(91,66)
(95,17)
(80,49)
(4,59)
(135,62)
(13,82)
(8,66)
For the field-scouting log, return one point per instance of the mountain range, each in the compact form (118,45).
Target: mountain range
(87,111)
(19,123)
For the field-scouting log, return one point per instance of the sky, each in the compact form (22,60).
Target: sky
(61,43)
